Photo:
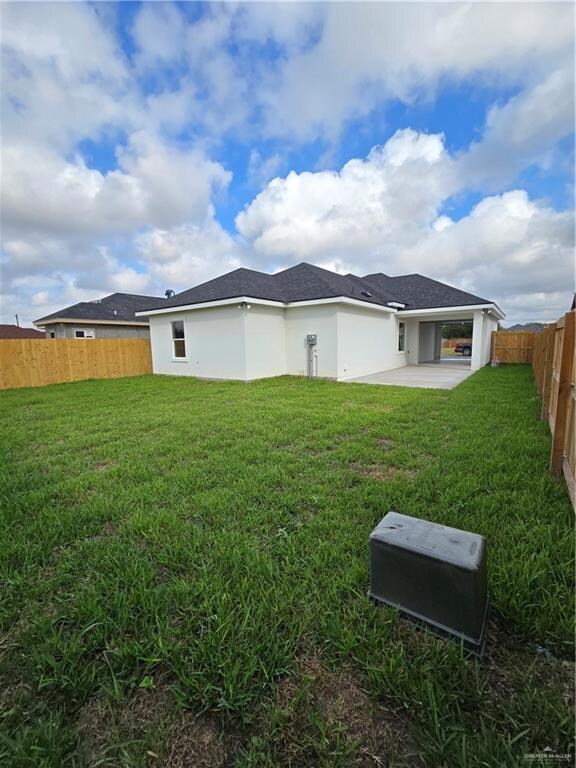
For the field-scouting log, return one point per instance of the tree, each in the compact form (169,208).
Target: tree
(457,330)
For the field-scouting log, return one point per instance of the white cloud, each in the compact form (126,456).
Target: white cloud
(371,206)
(540,307)
(61,274)
(383,214)
(262,169)
(522,131)
(155,185)
(292,25)
(58,62)
(66,79)
(507,246)
(40,299)
(370,52)
(158,32)
(188,255)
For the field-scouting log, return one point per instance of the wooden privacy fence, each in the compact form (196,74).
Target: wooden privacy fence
(512,346)
(36,362)
(451,343)
(554,364)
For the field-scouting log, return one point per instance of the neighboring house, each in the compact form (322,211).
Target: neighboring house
(17,332)
(536,327)
(250,325)
(112,317)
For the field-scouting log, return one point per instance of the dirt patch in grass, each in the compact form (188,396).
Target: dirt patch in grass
(376,736)
(385,443)
(510,664)
(197,742)
(103,466)
(109,529)
(94,730)
(309,512)
(163,574)
(12,694)
(9,639)
(157,730)
(384,472)
(103,727)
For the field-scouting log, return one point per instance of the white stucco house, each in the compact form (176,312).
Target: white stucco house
(310,321)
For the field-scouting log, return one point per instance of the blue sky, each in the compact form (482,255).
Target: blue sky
(154,145)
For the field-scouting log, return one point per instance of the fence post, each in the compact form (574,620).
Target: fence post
(564,384)
(547,364)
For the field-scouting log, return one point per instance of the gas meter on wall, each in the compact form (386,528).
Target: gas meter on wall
(311,339)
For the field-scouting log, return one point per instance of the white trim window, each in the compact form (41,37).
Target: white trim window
(401,337)
(178,340)
(52,334)
(83,333)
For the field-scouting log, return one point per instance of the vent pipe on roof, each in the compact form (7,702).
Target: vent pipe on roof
(395,305)
(169,293)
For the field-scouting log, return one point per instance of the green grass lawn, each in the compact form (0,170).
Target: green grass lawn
(184,571)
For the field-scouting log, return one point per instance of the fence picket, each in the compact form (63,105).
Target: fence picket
(37,362)
(554,366)
(552,353)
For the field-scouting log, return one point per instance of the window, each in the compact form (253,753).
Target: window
(83,333)
(52,334)
(178,339)
(401,336)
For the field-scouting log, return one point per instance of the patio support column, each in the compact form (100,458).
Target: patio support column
(477,338)
(438,341)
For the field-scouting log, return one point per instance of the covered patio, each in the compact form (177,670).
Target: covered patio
(446,375)
(424,336)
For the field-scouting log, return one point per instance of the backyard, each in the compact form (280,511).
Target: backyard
(184,568)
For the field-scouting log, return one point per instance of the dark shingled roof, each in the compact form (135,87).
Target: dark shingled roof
(306,282)
(240,282)
(118,307)
(419,292)
(17,332)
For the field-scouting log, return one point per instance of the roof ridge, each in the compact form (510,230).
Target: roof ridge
(310,268)
(138,295)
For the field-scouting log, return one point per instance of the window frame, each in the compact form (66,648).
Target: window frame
(87,333)
(178,358)
(401,336)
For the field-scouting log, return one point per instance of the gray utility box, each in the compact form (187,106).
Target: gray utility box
(434,574)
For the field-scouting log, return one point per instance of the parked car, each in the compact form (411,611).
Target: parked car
(464,348)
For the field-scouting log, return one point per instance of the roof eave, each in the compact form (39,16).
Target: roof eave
(267,302)
(83,321)
(207,305)
(490,307)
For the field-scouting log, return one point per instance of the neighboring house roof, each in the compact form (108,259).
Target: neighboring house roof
(306,282)
(16,332)
(118,307)
(527,327)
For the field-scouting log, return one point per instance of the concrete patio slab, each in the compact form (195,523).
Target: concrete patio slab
(428,376)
